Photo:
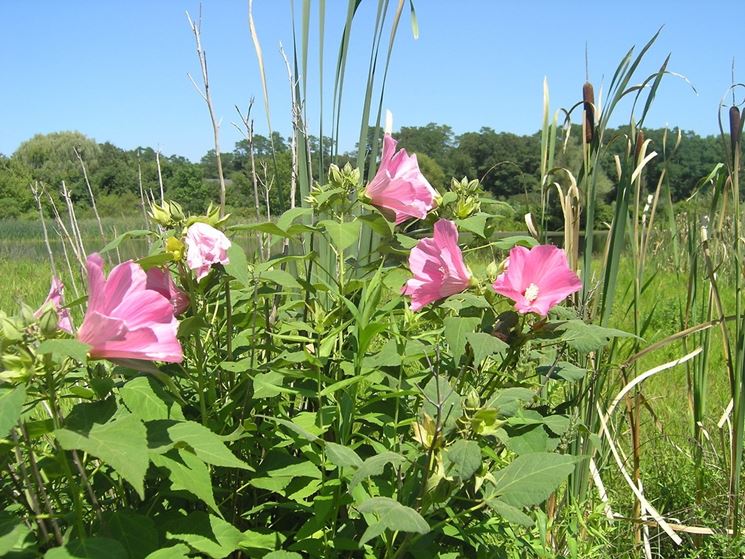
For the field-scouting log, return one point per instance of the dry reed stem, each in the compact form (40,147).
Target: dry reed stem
(90,193)
(205,94)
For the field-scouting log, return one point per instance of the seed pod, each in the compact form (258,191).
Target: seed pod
(588,99)
(734,127)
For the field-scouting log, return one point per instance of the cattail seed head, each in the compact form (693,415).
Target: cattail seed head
(734,127)
(639,144)
(588,99)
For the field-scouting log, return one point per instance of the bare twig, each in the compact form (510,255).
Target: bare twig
(36,190)
(205,94)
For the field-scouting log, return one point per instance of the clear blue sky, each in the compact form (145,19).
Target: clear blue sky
(117,71)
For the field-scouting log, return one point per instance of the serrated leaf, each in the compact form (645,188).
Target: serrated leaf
(121,443)
(462,459)
(456,330)
(188,473)
(206,445)
(146,399)
(484,345)
(342,456)
(375,465)
(90,548)
(531,478)
(11,406)
(66,348)
(442,403)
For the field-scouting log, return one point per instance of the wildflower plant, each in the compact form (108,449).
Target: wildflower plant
(213,402)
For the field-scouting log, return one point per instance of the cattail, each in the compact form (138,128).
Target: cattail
(734,127)
(588,99)
(639,144)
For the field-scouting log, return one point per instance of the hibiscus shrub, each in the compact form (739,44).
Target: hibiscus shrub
(361,392)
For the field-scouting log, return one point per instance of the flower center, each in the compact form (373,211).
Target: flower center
(531,293)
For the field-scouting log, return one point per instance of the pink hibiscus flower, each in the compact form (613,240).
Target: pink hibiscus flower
(125,319)
(399,186)
(438,267)
(205,246)
(537,279)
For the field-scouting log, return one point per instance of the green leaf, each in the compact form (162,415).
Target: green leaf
(343,235)
(280,277)
(155,260)
(525,440)
(135,234)
(66,348)
(509,513)
(562,369)
(238,265)
(121,443)
(342,456)
(147,399)
(375,465)
(377,223)
(288,217)
(268,385)
(206,445)
(462,459)
(508,242)
(188,473)
(465,300)
(531,478)
(442,402)
(387,356)
(484,345)
(474,224)
(89,548)
(208,534)
(392,515)
(13,532)
(11,406)
(136,532)
(281,554)
(456,330)
(508,400)
(586,337)
(178,551)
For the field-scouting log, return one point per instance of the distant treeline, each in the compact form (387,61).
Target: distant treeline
(507,164)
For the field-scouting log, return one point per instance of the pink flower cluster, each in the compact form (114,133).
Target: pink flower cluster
(131,315)
(536,279)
